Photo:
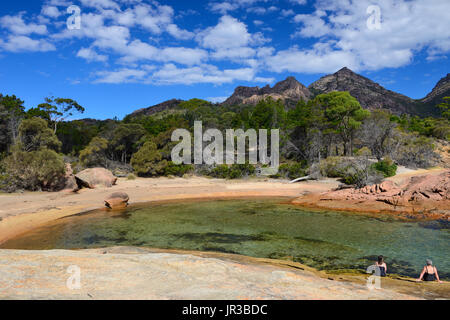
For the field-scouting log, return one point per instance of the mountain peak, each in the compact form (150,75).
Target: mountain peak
(369,94)
(288,89)
(287,84)
(345,70)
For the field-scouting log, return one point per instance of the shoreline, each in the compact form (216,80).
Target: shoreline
(42,208)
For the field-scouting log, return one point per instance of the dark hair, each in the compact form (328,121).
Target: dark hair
(380,259)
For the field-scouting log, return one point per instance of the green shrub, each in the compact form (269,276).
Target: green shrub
(180,170)
(241,171)
(94,154)
(221,171)
(235,171)
(37,170)
(131,177)
(147,162)
(361,177)
(291,170)
(34,134)
(353,171)
(334,167)
(414,151)
(386,166)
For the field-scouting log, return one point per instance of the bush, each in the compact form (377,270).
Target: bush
(361,177)
(180,170)
(147,162)
(37,170)
(34,134)
(94,154)
(235,171)
(131,177)
(291,170)
(386,166)
(353,171)
(334,167)
(414,151)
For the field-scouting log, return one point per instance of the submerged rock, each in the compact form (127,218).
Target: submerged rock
(92,178)
(117,200)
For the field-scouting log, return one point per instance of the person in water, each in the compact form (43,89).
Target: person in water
(429,273)
(381,266)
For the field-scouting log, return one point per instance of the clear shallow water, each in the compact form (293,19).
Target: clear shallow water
(255,227)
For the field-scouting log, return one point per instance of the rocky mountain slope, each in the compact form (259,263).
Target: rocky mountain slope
(289,90)
(441,90)
(166,105)
(369,94)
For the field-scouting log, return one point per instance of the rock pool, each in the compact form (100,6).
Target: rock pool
(268,228)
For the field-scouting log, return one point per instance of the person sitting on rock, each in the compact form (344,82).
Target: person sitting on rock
(381,265)
(429,273)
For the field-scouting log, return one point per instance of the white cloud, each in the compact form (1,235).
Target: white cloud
(91,55)
(178,33)
(216,99)
(124,75)
(24,43)
(316,60)
(50,11)
(16,25)
(228,33)
(105,4)
(230,39)
(287,13)
(299,2)
(59,3)
(182,55)
(344,38)
(224,7)
(257,10)
(171,74)
(313,25)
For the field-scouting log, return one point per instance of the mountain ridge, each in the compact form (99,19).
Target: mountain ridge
(370,94)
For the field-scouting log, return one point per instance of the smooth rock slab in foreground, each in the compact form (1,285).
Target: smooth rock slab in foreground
(134,273)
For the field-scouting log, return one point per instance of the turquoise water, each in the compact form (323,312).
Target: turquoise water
(269,228)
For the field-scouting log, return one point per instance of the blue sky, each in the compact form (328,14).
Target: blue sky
(130,54)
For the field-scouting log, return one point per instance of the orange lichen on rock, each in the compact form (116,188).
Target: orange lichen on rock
(427,195)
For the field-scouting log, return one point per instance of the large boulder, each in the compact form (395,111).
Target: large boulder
(95,177)
(117,200)
(70,182)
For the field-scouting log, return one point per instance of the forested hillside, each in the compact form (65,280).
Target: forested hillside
(329,135)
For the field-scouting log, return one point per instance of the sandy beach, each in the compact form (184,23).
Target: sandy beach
(40,274)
